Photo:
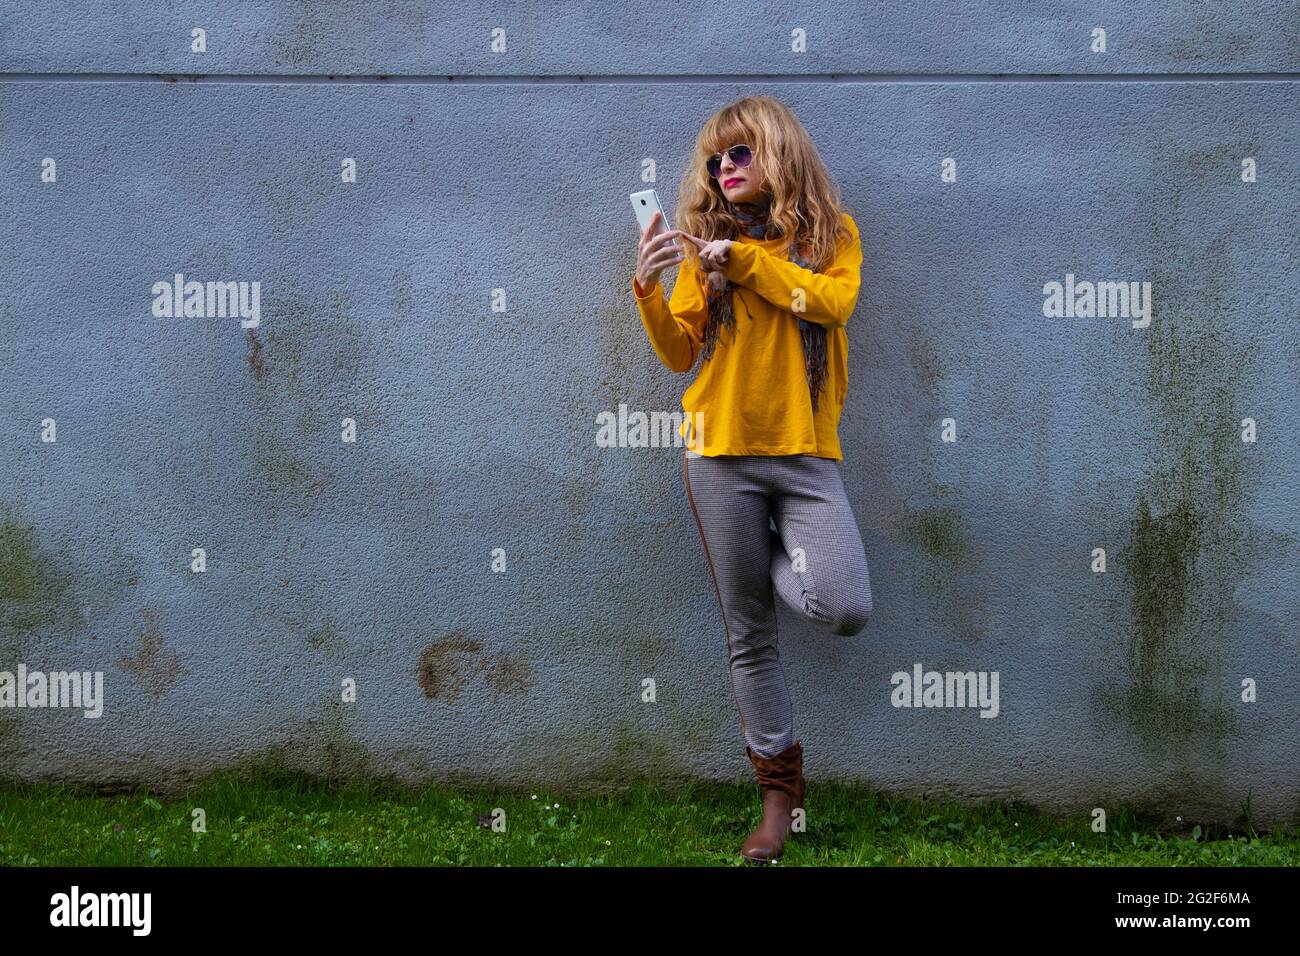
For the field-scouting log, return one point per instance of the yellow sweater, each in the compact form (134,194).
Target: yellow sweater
(751,397)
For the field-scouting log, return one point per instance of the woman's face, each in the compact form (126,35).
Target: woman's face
(740,185)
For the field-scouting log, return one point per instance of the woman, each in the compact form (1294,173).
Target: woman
(772,381)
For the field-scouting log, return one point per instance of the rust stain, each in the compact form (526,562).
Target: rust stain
(444,670)
(509,675)
(447,666)
(155,667)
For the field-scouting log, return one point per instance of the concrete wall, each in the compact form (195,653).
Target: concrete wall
(478,171)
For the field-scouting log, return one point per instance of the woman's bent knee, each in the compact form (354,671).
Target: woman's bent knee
(852,618)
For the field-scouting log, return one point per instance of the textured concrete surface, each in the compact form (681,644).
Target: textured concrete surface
(372,561)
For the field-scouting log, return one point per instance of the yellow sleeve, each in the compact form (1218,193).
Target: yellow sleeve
(829,297)
(676,327)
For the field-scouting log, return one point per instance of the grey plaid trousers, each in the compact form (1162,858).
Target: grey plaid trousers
(815,561)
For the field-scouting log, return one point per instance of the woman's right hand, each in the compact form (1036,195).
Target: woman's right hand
(655,253)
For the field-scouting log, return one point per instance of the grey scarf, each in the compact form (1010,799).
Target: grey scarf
(753,218)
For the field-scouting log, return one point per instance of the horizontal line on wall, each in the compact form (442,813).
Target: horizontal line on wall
(622,79)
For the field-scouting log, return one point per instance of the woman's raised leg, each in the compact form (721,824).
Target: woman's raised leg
(818,564)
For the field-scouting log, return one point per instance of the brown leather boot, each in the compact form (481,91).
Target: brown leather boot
(782,785)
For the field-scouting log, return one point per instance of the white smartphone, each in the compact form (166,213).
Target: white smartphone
(645,204)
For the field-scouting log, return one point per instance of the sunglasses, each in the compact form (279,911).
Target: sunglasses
(740,154)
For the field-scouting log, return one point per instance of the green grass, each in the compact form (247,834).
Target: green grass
(276,819)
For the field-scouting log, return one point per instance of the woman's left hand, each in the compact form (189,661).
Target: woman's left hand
(713,255)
